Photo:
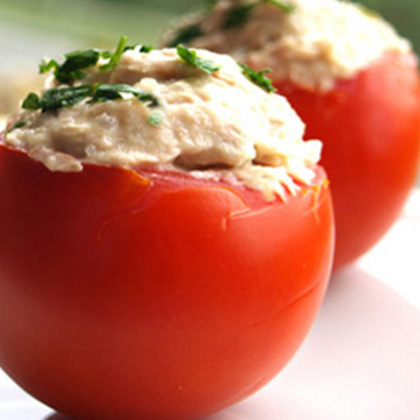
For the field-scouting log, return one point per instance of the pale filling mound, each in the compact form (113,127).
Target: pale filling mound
(221,125)
(3,122)
(312,45)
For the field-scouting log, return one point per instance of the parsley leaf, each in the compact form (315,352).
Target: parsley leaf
(258,78)
(155,118)
(106,92)
(31,102)
(19,124)
(46,66)
(238,16)
(73,65)
(189,56)
(116,56)
(285,6)
(209,4)
(186,35)
(60,97)
(76,62)
(142,48)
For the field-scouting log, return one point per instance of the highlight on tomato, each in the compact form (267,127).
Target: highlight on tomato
(352,80)
(155,291)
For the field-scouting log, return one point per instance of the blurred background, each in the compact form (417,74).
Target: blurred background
(30,30)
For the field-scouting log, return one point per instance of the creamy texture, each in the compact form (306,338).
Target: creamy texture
(219,125)
(3,122)
(313,45)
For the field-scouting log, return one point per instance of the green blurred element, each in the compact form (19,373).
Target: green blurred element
(102,21)
(403,14)
(99,22)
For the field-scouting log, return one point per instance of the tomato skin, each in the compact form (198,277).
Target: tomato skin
(370,127)
(158,297)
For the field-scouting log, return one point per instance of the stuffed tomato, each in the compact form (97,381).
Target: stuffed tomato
(164,285)
(355,84)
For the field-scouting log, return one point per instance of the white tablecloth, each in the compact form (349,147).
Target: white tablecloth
(361,360)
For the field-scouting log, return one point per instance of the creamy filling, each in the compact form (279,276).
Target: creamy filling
(3,122)
(311,45)
(220,123)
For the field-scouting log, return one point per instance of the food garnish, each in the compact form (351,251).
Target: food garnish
(258,77)
(61,97)
(190,56)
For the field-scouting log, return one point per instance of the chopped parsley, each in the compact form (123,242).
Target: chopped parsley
(190,56)
(77,62)
(115,57)
(61,97)
(56,98)
(31,102)
(238,15)
(186,35)
(73,66)
(285,6)
(209,4)
(155,118)
(140,48)
(258,77)
(19,124)
(108,92)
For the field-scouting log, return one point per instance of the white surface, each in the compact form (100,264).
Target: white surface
(396,259)
(361,360)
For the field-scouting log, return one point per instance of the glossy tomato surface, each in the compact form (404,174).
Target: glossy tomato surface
(152,296)
(370,127)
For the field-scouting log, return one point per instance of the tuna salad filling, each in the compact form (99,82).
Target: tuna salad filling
(178,109)
(308,42)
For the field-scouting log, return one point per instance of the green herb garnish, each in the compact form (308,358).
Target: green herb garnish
(77,62)
(73,66)
(258,77)
(19,124)
(141,48)
(56,98)
(209,4)
(285,6)
(115,57)
(108,92)
(190,56)
(31,102)
(186,35)
(155,118)
(62,97)
(238,16)
(46,66)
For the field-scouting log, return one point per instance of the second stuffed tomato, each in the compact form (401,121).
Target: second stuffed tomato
(355,84)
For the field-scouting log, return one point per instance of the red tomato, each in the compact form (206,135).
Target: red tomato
(370,127)
(129,295)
